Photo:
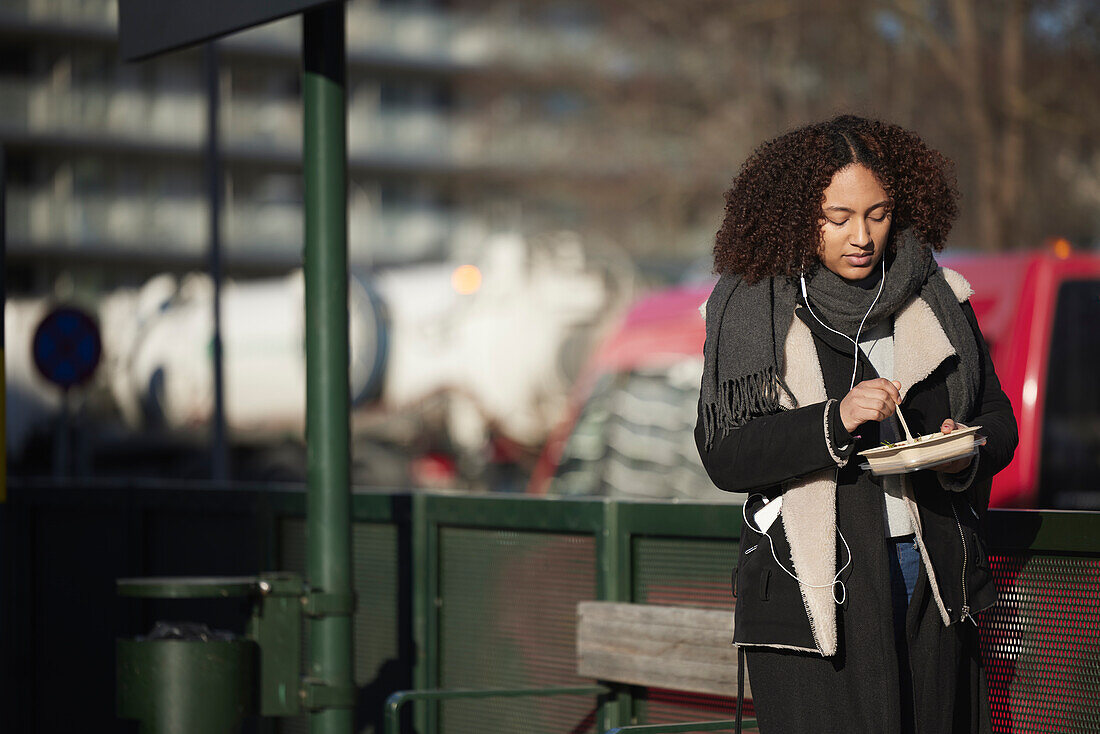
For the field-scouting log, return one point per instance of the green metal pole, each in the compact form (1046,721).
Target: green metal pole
(324,159)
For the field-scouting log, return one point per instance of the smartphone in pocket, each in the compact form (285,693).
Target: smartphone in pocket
(765,516)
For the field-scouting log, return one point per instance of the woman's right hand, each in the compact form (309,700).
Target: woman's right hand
(870,400)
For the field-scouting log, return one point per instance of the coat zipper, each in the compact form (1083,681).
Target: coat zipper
(965,611)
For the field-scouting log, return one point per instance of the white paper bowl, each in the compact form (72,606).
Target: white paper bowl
(923,451)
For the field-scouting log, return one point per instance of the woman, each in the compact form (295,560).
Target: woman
(856,594)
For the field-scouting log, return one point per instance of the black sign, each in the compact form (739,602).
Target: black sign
(150,27)
(66,346)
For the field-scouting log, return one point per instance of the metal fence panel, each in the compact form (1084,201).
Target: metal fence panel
(66,546)
(485,589)
(1041,644)
(507,607)
(74,616)
(689,572)
(684,571)
(382,624)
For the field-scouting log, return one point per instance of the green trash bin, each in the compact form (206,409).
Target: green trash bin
(186,686)
(183,678)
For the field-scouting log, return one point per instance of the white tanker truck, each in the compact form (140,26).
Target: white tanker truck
(492,346)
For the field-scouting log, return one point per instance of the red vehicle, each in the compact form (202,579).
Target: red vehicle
(630,430)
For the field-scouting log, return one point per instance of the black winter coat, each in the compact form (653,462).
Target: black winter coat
(858,689)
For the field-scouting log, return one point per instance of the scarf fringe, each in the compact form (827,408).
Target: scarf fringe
(740,400)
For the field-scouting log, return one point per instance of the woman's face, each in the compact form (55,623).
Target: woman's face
(856,223)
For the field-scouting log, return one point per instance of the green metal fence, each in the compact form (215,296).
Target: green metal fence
(478,592)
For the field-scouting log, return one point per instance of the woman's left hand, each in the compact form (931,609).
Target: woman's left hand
(956,466)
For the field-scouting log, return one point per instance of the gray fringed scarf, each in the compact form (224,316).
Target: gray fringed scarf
(747,327)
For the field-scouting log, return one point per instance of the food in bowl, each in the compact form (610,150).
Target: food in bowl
(923,451)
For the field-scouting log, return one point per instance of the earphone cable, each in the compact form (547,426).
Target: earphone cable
(771,546)
(855,342)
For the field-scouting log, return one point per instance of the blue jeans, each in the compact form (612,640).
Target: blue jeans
(904,559)
(904,567)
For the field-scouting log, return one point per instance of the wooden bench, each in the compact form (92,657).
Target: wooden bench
(680,648)
(676,648)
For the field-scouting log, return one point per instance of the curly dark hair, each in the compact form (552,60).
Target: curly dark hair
(773,219)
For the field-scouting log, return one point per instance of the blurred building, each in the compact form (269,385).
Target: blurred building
(621,121)
(461,122)
(464,122)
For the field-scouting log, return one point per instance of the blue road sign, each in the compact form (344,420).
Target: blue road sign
(67,347)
